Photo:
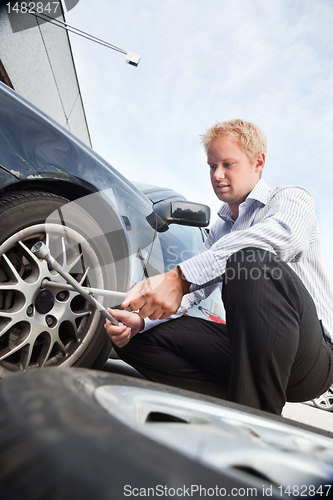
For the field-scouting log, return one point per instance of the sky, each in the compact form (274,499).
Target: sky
(204,61)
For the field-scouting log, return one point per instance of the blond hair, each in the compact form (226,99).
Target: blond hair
(251,138)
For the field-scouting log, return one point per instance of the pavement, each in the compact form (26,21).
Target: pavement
(306,413)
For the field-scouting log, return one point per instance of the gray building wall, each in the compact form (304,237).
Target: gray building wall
(38,63)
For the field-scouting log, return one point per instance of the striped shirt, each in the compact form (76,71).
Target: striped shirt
(281,220)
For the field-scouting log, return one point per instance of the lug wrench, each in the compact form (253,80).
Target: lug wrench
(42,252)
(46,283)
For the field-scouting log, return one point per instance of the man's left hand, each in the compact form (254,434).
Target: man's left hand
(158,297)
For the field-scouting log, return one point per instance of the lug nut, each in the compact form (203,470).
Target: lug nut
(50,320)
(61,296)
(30,310)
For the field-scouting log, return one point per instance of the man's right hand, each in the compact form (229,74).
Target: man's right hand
(121,335)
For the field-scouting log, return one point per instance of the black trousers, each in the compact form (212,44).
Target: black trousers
(271,350)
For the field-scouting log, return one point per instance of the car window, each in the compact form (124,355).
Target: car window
(179,243)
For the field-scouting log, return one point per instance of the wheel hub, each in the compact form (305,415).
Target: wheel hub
(44,302)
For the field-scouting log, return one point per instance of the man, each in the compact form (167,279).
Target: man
(265,250)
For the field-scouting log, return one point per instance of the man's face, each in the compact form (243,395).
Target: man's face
(232,174)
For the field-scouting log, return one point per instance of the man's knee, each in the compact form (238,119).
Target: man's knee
(253,264)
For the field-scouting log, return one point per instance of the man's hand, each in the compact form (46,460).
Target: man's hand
(120,335)
(158,297)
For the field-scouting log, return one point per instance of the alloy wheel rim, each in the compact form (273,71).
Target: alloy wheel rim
(58,332)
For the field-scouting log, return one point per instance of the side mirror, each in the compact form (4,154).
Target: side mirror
(185,213)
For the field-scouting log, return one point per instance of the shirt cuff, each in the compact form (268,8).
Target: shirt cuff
(150,323)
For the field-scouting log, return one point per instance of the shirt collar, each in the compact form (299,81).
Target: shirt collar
(259,193)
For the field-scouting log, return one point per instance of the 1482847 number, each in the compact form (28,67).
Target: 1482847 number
(305,490)
(33,7)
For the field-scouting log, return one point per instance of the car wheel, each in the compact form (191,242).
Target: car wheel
(50,326)
(82,434)
(59,441)
(325,401)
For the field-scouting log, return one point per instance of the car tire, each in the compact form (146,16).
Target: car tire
(57,443)
(50,327)
(325,401)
